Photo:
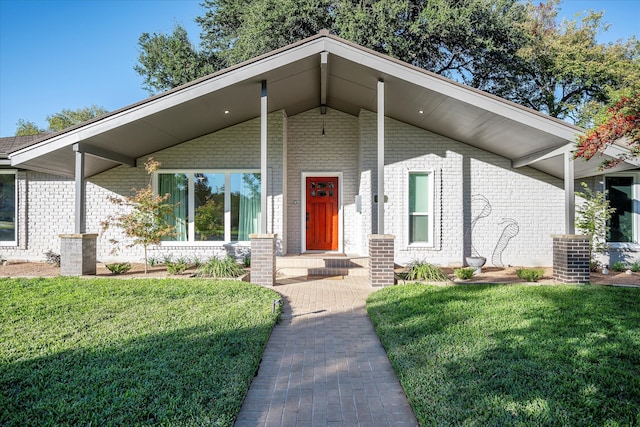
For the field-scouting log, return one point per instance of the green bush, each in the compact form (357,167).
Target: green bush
(618,266)
(530,274)
(464,273)
(423,271)
(176,267)
(118,267)
(52,258)
(635,267)
(220,268)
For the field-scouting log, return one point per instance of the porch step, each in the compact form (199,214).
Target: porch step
(322,265)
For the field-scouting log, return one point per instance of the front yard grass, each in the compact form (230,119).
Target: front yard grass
(129,352)
(514,355)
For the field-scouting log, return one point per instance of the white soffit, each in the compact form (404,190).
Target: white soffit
(293,76)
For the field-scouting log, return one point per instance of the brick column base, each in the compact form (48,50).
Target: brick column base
(381,260)
(571,259)
(78,254)
(263,259)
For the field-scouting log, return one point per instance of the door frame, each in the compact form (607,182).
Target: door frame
(303,209)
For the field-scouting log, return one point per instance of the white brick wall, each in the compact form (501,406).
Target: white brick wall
(48,212)
(50,199)
(531,199)
(525,196)
(309,151)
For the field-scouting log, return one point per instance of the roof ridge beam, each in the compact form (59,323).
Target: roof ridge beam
(324,69)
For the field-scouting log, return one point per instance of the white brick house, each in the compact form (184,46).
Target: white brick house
(291,143)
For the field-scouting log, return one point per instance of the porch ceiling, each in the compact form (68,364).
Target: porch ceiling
(293,76)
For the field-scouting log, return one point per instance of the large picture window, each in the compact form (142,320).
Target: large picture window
(7,207)
(420,210)
(212,206)
(621,198)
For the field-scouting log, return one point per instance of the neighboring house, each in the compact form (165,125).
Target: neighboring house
(293,143)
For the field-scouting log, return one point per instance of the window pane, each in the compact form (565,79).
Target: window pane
(418,228)
(177,186)
(209,206)
(245,205)
(418,192)
(7,207)
(621,198)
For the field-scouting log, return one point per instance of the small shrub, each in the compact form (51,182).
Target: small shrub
(594,266)
(52,258)
(464,273)
(118,267)
(530,274)
(196,262)
(166,259)
(176,267)
(421,270)
(247,261)
(153,261)
(618,266)
(220,268)
(635,267)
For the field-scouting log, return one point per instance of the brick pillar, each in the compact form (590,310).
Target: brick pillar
(381,260)
(263,259)
(77,254)
(571,258)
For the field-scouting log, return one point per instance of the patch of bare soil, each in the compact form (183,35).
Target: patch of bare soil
(488,275)
(41,269)
(508,275)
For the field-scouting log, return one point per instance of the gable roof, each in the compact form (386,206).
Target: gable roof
(321,70)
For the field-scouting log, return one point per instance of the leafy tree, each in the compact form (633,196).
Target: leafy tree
(622,125)
(145,216)
(168,61)
(26,128)
(60,121)
(510,48)
(565,72)
(237,30)
(471,40)
(592,218)
(67,118)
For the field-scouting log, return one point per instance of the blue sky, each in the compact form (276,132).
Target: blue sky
(76,53)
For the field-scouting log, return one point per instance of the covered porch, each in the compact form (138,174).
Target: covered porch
(321,72)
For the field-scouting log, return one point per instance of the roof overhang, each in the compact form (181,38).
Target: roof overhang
(323,70)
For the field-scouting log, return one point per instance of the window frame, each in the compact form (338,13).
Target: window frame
(14,242)
(430,212)
(635,244)
(191,230)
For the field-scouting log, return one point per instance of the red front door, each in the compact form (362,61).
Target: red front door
(322,213)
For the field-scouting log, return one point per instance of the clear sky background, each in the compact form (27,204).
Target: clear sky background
(69,54)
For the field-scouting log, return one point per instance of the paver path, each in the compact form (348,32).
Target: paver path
(324,365)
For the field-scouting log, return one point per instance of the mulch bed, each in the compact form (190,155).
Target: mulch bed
(489,274)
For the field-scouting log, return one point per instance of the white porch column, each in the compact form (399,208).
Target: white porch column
(80,223)
(263,158)
(380,156)
(569,194)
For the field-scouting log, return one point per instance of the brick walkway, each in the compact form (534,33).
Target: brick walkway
(324,365)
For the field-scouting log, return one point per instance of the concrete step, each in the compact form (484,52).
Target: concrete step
(322,265)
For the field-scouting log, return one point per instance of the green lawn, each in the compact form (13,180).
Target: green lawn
(514,355)
(129,352)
